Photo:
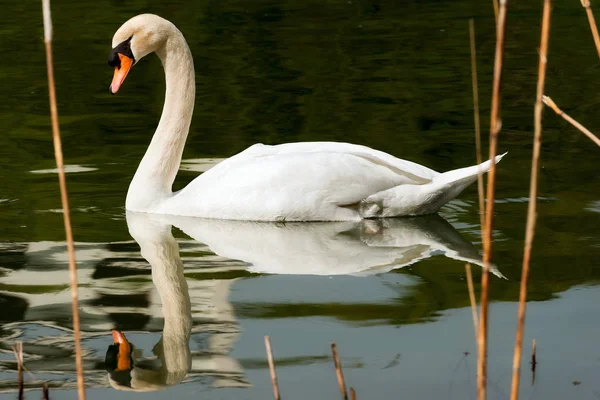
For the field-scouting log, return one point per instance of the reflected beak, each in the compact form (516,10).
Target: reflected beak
(124,356)
(120,75)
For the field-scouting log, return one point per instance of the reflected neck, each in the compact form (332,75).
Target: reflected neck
(170,283)
(160,249)
(156,173)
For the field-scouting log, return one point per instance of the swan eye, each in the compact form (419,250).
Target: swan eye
(123,48)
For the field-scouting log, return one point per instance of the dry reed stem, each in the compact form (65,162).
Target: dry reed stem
(476,121)
(550,103)
(588,9)
(272,369)
(18,353)
(19,356)
(533,362)
(532,207)
(338,371)
(352,394)
(489,214)
(495,2)
(45,393)
(472,297)
(63,194)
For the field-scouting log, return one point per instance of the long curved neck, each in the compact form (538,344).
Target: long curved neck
(154,177)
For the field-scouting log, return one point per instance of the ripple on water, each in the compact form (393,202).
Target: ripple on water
(69,169)
(77,209)
(594,206)
(540,199)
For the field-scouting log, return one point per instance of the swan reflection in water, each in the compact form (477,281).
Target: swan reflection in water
(160,249)
(329,248)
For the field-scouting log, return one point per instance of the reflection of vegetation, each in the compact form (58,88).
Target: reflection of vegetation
(224,275)
(33,289)
(394,314)
(284,362)
(441,287)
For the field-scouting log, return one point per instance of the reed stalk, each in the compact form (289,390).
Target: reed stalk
(495,2)
(339,372)
(472,297)
(533,362)
(476,122)
(489,214)
(590,15)
(550,103)
(63,194)
(18,350)
(352,394)
(533,188)
(272,369)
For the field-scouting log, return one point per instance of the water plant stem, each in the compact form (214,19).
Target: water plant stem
(338,371)
(63,194)
(495,2)
(472,297)
(19,356)
(272,369)
(476,121)
(533,362)
(352,394)
(588,9)
(489,214)
(550,103)
(533,188)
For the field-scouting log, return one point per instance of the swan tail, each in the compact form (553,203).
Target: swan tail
(465,176)
(428,198)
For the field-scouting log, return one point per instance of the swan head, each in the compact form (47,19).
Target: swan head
(135,39)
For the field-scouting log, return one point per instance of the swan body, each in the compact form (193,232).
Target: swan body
(309,181)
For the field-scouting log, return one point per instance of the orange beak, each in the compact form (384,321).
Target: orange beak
(124,357)
(120,75)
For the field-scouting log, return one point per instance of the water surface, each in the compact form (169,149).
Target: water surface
(197,297)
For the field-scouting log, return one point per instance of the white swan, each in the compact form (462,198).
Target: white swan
(310,181)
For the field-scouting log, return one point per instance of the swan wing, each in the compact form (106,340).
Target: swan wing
(417,173)
(310,185)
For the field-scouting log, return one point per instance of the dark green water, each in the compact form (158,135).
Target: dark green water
(391,75)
